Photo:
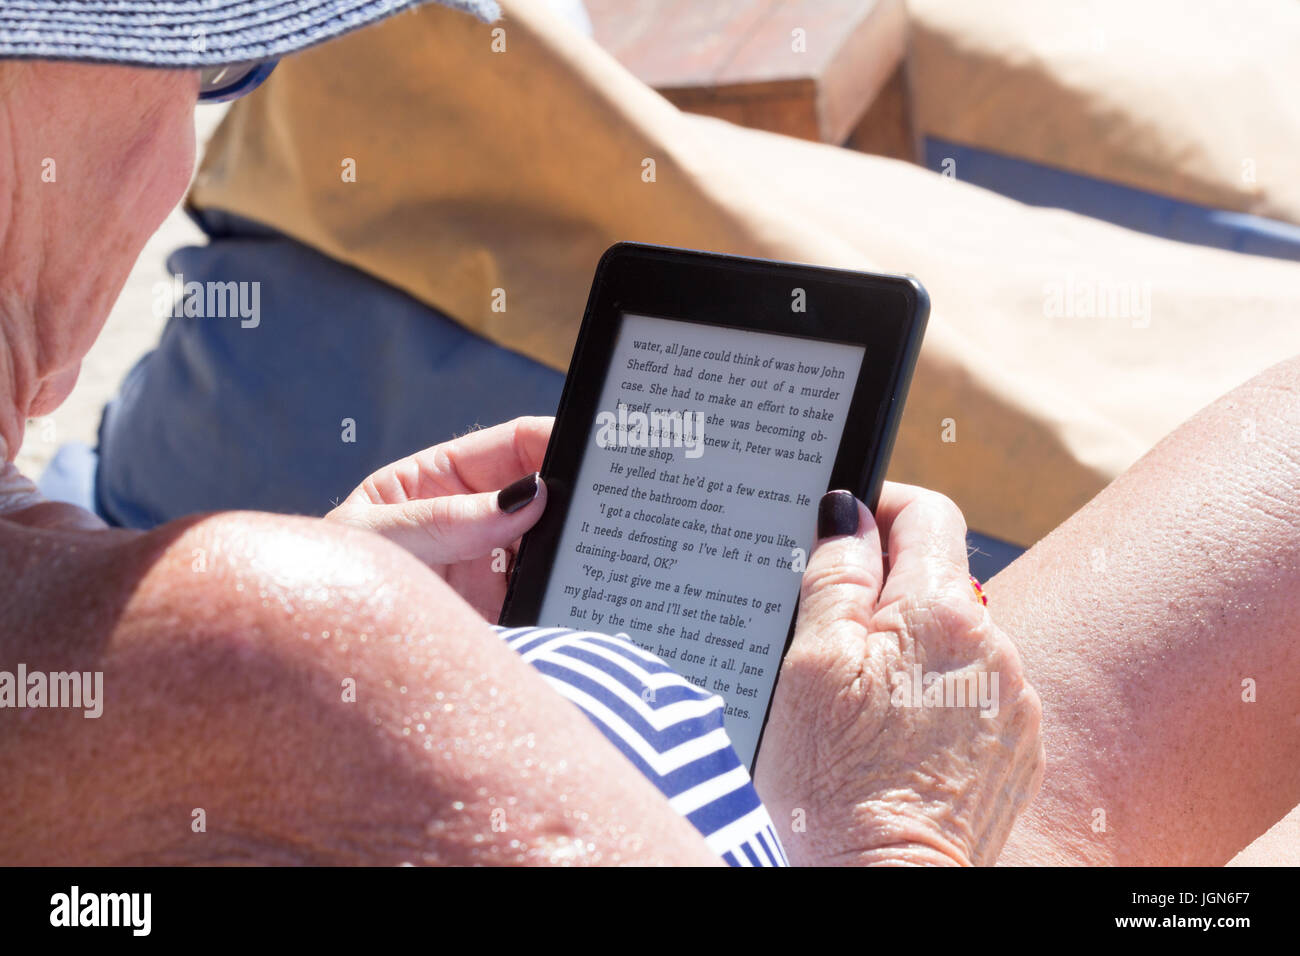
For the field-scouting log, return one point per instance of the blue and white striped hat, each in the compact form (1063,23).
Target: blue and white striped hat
(189,33)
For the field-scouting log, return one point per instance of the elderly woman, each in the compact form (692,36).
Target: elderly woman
(282,689)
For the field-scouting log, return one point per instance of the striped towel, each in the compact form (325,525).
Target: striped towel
(670,729)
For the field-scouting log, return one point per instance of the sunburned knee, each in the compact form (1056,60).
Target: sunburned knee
(1267,403)
(1284,375)
(1254,433)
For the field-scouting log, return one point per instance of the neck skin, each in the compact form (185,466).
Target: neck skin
(33,380)
(92,158)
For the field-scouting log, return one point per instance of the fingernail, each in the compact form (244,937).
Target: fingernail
(513,497)
(837,515)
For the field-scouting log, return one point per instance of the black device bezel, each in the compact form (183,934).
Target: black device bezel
(886,314)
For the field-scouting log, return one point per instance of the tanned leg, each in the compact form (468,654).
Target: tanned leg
(1161,626)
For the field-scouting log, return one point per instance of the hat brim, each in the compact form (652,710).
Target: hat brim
(190,33)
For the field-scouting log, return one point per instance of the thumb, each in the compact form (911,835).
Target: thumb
(844,576)
(456,528)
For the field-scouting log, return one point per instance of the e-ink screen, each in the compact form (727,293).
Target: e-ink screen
(695,502)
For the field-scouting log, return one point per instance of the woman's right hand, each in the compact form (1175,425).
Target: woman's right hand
(853,768)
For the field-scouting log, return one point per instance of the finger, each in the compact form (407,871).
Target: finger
(845,572)
(475,463)
(894,497)
(486,459)
(925,538)
(455,528)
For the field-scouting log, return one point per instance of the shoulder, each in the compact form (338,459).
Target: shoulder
(239,570)
(225,656)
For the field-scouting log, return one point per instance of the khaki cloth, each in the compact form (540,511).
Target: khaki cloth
(1196,100)
(479,170)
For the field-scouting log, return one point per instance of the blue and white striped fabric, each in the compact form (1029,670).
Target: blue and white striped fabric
(670,729)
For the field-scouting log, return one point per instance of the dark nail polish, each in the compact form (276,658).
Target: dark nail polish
(837,515)
(513,497)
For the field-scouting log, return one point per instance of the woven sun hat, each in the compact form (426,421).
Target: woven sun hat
(235,40)
(235,43)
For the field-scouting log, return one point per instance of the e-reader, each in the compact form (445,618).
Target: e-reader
(710,402)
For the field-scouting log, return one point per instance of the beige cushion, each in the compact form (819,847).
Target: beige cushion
(1191,100)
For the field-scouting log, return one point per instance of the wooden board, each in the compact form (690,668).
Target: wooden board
(807,68)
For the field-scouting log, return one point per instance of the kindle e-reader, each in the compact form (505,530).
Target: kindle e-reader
(710,402)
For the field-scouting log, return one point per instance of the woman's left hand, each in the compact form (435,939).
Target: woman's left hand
(903,729)
(460,507)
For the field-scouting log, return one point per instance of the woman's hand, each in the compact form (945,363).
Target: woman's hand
(460,507)
(863,771)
